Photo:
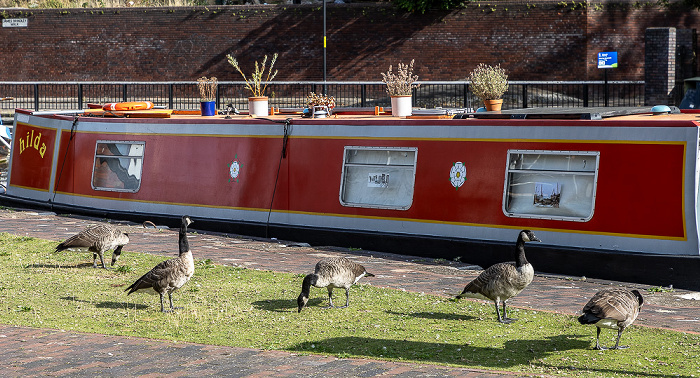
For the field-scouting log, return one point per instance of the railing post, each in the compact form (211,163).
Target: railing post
(363,95)
(170,96)
(585,95)
(218,98)
(467,103)
(36,96)
(524,96)
(124,92)
(80,96)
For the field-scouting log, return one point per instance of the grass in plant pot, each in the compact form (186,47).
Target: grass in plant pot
(255,84)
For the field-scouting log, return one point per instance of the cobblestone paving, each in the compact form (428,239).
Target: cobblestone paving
(41,352)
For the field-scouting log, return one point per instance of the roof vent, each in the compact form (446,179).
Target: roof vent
(660,109)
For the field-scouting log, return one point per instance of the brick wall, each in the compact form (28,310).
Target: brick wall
(533,41)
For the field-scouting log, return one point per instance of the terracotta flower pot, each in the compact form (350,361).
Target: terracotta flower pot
(493,105)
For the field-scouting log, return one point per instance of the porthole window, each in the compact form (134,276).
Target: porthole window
(551,184)
(378,177)
(118,166)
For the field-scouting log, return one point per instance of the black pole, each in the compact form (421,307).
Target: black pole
(325,92)
(606,86)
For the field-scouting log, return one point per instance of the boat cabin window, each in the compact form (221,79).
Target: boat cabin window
(378,177)
(558,185)
(118,166)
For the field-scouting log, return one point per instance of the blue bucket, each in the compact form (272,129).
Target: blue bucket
(208,108)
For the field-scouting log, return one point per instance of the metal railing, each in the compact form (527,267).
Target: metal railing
(430,94)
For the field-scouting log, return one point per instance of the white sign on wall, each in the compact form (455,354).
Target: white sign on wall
(14,23)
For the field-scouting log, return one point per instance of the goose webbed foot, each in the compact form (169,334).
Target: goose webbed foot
(507,320)
(600,347)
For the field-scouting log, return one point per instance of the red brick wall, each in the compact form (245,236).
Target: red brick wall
(535,41)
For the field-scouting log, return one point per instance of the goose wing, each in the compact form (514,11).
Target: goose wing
(496,274)
(616,304)
(157,278)
(85,238)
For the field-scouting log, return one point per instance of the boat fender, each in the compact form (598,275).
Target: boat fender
(134,105)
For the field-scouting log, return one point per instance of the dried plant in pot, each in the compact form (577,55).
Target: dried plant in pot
(489,83)
(400,87)
(319,105)
(207,95)
(257,103)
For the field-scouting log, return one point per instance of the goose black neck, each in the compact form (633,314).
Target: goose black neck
(520,258)
(306,285)
(184,243)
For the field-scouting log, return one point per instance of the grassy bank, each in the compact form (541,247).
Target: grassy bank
(250,308)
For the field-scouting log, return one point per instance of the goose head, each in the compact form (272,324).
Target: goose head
(122,240)
(527,236)
(186,221)
(301,301)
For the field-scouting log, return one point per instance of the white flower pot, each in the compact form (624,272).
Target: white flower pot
(401,106)
(257,106)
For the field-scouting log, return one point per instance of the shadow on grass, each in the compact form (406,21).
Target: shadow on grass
(61,266)
(286,305)
(514,353)
(108,304)
(433,315)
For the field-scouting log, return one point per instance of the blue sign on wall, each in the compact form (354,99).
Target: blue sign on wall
(607,59)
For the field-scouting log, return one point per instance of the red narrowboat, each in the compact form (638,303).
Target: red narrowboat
(612,194)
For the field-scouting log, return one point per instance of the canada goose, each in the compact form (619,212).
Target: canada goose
(612,308)
(97,239)
(330,273)
(505,280)
(168,275)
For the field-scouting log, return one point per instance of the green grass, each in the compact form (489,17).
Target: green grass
(251,308)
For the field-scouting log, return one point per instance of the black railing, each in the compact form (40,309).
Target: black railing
(430,94)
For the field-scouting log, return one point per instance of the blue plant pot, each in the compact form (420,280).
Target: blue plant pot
(208,108)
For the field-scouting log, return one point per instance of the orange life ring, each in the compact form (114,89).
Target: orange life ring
(134,105)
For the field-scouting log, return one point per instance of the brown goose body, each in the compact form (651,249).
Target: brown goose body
(614,308)
(97,239)
(169,275)
(332,272)
(502,281)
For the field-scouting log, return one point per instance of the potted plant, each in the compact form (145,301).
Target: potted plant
(400,87)
(322,103)
(257,103)
(207,95)
(489,83)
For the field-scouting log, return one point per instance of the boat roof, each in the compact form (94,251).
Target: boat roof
(590,113)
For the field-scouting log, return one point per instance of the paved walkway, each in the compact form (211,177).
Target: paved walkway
(28,351)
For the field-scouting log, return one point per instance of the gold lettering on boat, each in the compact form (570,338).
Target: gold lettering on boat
(32,141)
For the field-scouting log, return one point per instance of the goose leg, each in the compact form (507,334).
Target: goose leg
(170,297)
(102,260)
(94,260)
(597,342)
(347,299)
(498,312)
(617,343)
(506,319)
(162,308)
(330,298)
